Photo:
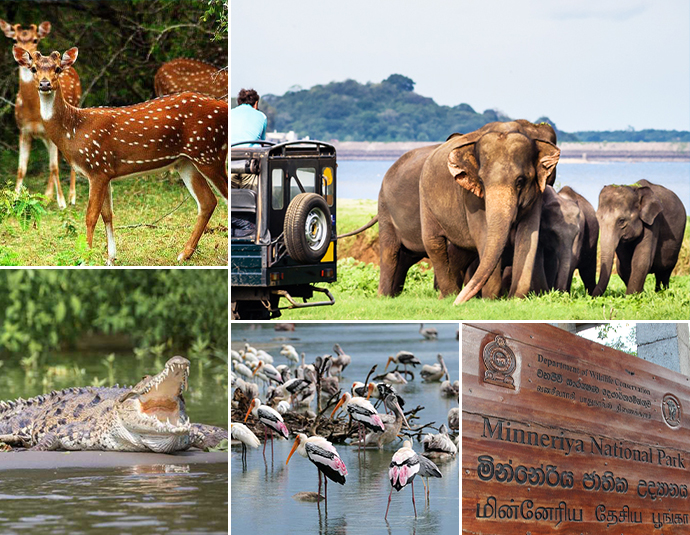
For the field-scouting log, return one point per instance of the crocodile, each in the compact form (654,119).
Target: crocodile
(150,416)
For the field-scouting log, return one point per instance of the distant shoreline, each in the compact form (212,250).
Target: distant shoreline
(570,152)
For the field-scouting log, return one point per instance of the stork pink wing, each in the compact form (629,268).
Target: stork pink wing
(282,429)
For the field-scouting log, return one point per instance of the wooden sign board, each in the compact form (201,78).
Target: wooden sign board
(563,435)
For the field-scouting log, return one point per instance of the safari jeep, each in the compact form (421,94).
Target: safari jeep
(283,235)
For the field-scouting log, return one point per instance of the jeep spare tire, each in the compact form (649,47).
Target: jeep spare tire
(307,228)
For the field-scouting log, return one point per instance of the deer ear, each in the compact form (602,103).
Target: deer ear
(69,57)
(7,29)
(43,29)
(463,165)
(650,205)
(22,57)
(547,158)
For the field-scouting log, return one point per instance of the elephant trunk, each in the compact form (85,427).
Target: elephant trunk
(501,210)
(609,242)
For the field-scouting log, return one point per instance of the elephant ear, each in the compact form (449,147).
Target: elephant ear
(547,158)
(650,205)
(463,165)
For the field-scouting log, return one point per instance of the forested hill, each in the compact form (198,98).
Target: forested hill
(392,111)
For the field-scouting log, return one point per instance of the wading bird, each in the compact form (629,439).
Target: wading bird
(362,412)
(404,466)
(434,372)
(404,358)
(324,456)
(290,353)
(271,419)
(243,434)
(429,333)
(341,361)
(392,422)
(427,469)
(439,446)
(269,371)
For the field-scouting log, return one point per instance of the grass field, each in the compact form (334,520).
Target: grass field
(153,218)
(355,291)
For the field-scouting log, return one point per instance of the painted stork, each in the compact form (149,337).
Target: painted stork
(341,361)
(392,422)
(360,389)
(429,333)
(404,466)
(427,469)
(244,435)
(434,372)
(271,419)
(394,378)
(324,456)
(269,371)
(243,370)
(404,358)
(363,412)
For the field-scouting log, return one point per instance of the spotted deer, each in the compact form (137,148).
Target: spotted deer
(186,131)
(184,74)
(27,112)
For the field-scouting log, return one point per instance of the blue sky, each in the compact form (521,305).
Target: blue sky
(586,64)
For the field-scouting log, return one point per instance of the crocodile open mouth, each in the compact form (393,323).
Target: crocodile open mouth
(159,396)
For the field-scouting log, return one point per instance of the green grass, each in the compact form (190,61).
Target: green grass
(59,237)
(356,299)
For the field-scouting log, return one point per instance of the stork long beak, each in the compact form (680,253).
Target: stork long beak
(397,406)
(370,389)
(342,400)
(256,369)
(251,406)
(294,448)
(390,359)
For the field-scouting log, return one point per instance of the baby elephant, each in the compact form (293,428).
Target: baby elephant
(644,225)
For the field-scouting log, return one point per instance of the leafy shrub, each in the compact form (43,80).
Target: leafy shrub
(41,310)
(27,208)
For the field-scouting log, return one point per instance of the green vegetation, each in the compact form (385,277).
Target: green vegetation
(154,217)
(152,312)
(392,111)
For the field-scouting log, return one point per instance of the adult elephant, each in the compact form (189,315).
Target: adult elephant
(473,189)
(643,225)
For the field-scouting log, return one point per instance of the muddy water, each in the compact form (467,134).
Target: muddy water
(171,498)
(262,494)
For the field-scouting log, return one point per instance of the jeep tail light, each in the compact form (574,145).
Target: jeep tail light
(327,272)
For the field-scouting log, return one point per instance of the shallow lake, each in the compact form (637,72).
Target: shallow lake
(172,497)
(262,494)
(362,179)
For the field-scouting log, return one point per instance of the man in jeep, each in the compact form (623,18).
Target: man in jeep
(247,123)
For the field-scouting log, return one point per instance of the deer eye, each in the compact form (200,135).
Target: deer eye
(35,41)
(33,69)
(58,70)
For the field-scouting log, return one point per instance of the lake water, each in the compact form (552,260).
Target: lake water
(261,496)
(172,498)
(359,179)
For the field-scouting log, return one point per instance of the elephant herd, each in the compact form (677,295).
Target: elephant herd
(482,208)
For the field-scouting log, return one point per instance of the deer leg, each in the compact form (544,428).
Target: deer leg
(206,203)
(216,175)
(72,199)
(54,179)
(107,215)
(98,187)
(24,150)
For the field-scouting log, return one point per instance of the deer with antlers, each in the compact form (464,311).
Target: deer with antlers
(183,74)
(186,131)
(27,114)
